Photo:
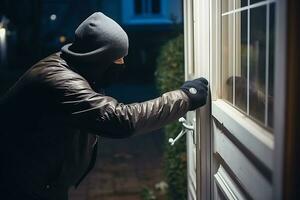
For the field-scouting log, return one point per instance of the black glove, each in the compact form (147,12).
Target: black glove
(196,90)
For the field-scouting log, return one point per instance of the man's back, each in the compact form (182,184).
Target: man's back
(40,147)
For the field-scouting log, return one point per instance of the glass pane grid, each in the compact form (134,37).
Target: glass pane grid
(247,58)
(233,6)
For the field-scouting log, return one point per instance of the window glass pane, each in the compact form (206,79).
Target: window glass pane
(241,61)
(138,7)
(227,57)
(227,5)
(255,1)
(271,66)
(257,63)
(155,6)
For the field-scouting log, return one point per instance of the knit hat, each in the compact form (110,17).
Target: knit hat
(98,39)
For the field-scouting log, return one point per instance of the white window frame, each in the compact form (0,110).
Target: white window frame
(233,32)
(130,18)
(257,139)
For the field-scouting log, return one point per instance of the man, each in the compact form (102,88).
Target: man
(51,118)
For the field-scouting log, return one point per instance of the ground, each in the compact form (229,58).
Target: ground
(125,166)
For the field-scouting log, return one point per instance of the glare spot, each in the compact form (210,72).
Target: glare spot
(2,33)
(53,17)
(62,39)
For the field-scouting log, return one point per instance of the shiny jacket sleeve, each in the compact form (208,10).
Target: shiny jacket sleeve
(104,115)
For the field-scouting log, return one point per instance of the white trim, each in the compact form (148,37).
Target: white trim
(227,185)
(188,39)
(189,72)
(202,61)
(262,3)
(258,140)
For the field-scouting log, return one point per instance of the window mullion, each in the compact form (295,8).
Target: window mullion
(262,3)
(234,56)
(248,58)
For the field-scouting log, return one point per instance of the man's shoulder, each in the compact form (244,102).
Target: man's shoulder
(53,70)
(53,65)
(53,60)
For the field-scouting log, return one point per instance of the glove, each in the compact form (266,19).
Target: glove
(196,90)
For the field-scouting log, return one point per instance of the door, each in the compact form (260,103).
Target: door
(232,44)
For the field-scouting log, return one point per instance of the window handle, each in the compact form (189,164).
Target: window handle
(185,128)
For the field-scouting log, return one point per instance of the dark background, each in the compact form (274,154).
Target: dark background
(124,167)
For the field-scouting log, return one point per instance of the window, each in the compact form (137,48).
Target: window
(247,66)
(146,12)
(147,7)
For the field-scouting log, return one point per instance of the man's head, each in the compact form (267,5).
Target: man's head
(99,43)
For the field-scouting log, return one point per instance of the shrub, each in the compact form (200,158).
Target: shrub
(170,76)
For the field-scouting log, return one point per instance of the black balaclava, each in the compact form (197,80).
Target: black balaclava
(99,41)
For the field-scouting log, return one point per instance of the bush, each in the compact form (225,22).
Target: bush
(170,76)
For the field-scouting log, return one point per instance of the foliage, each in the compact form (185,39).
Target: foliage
(170,76)
(147,194)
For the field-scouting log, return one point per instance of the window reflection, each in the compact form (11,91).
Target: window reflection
(271,65)
(257,63)
(241,61)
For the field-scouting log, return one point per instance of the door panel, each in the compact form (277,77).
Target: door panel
(226,187)
(244,172)
(254,138)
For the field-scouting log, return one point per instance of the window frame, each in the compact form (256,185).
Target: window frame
(258,139)
(236,59)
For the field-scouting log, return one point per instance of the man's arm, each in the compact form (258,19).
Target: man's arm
(104,115)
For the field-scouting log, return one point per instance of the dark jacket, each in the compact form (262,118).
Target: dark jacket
(50,122)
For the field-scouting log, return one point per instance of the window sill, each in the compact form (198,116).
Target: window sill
(147,21)
(255,138)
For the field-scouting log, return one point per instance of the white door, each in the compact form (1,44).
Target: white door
(234,44)
(191,138)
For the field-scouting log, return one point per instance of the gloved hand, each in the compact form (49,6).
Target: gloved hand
(196,90)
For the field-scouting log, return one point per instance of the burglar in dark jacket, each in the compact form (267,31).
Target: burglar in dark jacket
(52,117)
